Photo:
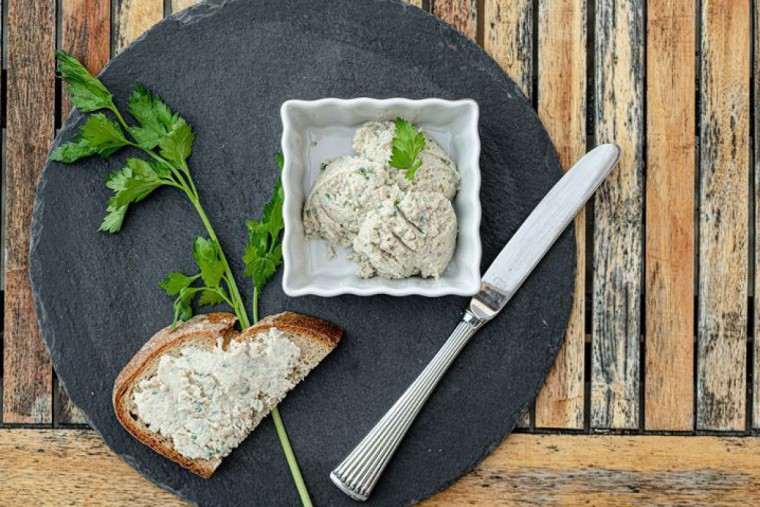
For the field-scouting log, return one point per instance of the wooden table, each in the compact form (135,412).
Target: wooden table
(655,397)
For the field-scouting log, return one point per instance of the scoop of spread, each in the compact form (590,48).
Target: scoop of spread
(346,188)
(398,228)
(414,236)
(206,400)
(438,173)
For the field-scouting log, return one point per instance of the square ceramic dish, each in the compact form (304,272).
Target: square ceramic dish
(318,130)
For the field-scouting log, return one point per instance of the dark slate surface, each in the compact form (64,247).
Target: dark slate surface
(227,69)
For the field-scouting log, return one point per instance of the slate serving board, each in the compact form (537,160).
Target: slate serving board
(227,67)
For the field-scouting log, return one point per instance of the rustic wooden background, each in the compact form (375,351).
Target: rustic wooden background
(655,397)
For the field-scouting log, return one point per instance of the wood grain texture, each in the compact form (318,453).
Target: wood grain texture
(756,369)
(461,14)
(617,276)
(179,5)
(669,386)
(28,375)
(723,218)
(2,186)
(562,109)
(63,467)
(133,17)
(86,34)
(508,38)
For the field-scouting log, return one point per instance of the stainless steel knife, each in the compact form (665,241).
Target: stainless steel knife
(358,473)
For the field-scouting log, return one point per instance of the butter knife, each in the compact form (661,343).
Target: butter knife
(359,472)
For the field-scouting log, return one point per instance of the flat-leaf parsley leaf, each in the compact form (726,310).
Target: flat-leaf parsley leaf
(407,145)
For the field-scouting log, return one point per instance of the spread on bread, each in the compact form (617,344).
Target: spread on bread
(205,399)
(194,392)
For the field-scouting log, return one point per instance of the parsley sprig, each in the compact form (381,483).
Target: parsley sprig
(407,145)
(166,140)
(263,253)
(211,274)
(159,133)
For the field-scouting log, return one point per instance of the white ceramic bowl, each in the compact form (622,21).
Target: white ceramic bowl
(318,130)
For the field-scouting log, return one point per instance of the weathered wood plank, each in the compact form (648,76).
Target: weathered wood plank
(133,17)
(618,216)
(756,370)
(562,108)
(179,5)
(669,397)
(86,34)
(508,38)
(58,467)
(723,217)
(2,187)
(28,375)
(461,14)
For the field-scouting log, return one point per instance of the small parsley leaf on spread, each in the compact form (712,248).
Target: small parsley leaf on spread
(407,145)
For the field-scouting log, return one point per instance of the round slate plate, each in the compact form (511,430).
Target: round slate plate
(227,68)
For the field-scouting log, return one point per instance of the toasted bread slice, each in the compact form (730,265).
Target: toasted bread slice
(315,339)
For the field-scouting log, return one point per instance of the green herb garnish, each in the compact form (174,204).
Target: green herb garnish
(263,253)
(407,145)
(167,139)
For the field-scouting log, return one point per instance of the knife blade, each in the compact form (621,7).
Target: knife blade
(359,472)
(541,229)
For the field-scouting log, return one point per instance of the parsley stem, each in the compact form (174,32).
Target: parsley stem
(115,110)
(290,456)
(255,305)
(234,292)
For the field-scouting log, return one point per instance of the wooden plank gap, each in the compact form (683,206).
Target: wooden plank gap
(755,314)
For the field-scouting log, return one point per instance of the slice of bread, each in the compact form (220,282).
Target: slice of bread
(315,338)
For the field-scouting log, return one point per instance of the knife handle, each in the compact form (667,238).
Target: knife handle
(358,473)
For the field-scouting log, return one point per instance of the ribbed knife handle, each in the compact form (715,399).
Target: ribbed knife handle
(357,475)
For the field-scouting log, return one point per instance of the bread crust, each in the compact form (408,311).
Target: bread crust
(325,332)
(204,327)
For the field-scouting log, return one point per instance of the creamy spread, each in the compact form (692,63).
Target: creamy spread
(414,236)
(398,228)
(206,400)
(438,173)
(346,188)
